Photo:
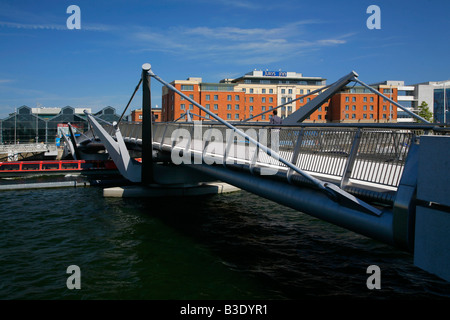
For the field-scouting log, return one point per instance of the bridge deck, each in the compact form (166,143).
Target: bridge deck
(368,158)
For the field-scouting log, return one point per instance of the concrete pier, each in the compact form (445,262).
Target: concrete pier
(157,190)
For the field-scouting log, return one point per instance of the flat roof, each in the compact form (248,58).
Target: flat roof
(289,75)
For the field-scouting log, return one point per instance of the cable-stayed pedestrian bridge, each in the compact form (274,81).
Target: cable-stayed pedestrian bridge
(374,179)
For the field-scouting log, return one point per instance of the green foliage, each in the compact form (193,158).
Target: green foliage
(425,112)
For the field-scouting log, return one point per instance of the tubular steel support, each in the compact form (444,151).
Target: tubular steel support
(351,159)
(128,104)
(147,141)
(308,201)
(128,167)
(305,111)
(76,155)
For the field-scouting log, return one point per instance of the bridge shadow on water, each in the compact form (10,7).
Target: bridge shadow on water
(287,254)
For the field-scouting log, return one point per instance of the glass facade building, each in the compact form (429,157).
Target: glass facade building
(440,107)
(24,127)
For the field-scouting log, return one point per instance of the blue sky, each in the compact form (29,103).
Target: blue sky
(43,62)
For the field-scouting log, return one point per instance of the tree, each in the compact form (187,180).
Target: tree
(425,112)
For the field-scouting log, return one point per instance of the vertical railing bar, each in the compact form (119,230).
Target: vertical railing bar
(351,159)
(374,167)
(255,155)
(163,136)
(394,161)
(295,154)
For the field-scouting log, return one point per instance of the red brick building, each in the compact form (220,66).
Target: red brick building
(259,91)
(358,104)
(136,115)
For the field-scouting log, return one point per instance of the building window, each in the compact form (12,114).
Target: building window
(270,90)
(371,108)
(250,99)
(346,99)
(263,99)
(364,107)
(283,100)
(207,97)
(301,91)
(207,106)
(263,90)
(229,97)
(384,108)
(216,107)
(353,116)
(346,116)
(228,106)
(371,99)
(216,97)
(308,100)
(353,107)
(283,91)
(353,99)
(308,91)
(384,116)
(191,107)
(183,106)
(365,99)
(319,117)
(236,107)
(301,100)
(270,99)
(236,116)
(365,115)
(371,116)
(140,117)
(191,96)
(347,107)
(236,98)
(187,87)
(289,108)
(251,108)
(290,91)
(263,117)
(263,108)
(251,90)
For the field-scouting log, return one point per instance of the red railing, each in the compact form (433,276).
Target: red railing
(56,165)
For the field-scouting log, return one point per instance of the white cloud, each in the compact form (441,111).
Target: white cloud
(331,41)
(240,45)
(37,26)
(32,26)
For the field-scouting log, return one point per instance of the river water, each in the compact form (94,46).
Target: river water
(228,246)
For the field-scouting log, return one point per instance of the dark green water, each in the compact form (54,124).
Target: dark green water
(230,246)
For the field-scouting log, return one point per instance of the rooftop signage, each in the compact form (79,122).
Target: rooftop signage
(274,73)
